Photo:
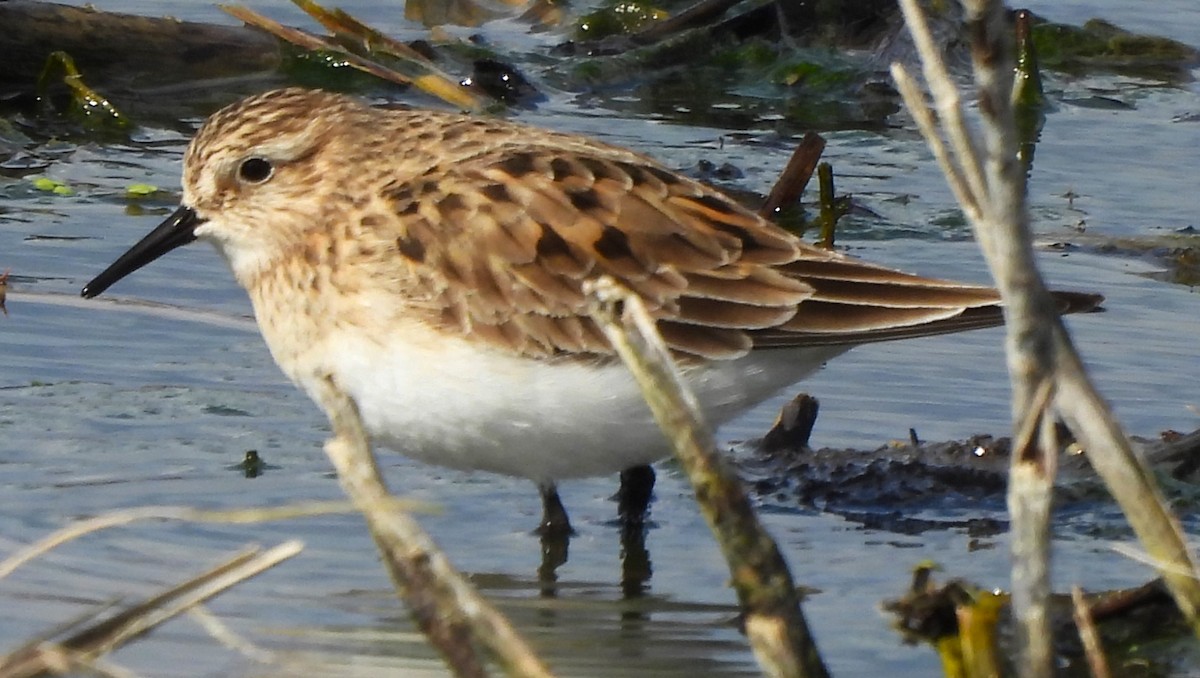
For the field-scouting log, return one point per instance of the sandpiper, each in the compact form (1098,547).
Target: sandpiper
(431,267)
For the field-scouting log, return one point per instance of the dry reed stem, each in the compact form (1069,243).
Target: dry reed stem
(80,528)
(139,306)
(102,667)
(1038,346)
(429,79)
(1030,506)
(795,175)
(86,647)
(173,601)
(4,291)
(1092,649)
(444,605)
(775,625)
(1146,559)
(221,633)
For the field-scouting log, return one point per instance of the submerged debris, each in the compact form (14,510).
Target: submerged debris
(1177,252)
(960,619)
(1100,45)
(912,486)
(621,18)
(86,105)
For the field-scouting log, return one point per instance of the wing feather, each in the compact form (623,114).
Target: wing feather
(503,243)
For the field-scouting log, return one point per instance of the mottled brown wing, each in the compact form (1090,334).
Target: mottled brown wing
(505,242)
(513,236)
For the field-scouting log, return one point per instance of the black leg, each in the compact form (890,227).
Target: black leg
(633,507)
(633,499)
(555,522)
(554,554)
(635,562)
(555,532)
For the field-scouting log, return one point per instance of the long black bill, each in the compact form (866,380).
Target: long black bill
(178,230)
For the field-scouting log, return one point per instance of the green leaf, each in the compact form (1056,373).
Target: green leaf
(52,186)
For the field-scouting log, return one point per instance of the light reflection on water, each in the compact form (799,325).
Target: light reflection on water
(103,409)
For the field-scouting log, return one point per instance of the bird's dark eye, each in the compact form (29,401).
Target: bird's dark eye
(255,170)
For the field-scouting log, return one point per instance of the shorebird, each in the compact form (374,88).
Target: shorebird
(431,266)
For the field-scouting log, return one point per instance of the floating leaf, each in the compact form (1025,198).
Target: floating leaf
(140,190)
(54,186)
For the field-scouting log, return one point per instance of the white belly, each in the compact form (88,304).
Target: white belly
(459,407)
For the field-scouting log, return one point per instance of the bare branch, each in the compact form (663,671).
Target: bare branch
(1038,346)
(775,625)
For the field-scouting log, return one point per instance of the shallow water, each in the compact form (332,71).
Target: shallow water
(104,406)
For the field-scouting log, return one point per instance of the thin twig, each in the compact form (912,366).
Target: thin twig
(946,100)
(85,647)
(105,667)
(698,14)
(914,100)
(125,517)
(430,80)
(830,209)
(1038,345)
(1030,497)
(1092,649)
(140,618)
(447,609)
(795,175)
(774,622)
(1148,560)
(223,635)
(144,307)
(3,291)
